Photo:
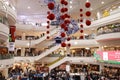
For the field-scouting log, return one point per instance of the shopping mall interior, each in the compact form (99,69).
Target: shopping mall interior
(59,39)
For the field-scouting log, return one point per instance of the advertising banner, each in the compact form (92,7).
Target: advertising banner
(109,56)
(12,38)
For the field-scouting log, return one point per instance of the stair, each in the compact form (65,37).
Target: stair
(57,46)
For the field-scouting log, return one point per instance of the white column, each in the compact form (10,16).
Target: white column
(101,67)
(15,52)
(22,51)
(23,36)
(67,50)
(5,72)
(99,15)
(100,48)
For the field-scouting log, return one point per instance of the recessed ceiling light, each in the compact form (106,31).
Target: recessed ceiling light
(91,9)
(102,2)
(28,7)
(110,9)
(70,2)
(85,34)
(87,48)
(44,24)
(87,0)
(75,43)
(70,6)
(119,7)
(105,46)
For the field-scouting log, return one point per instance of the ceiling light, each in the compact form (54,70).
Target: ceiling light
(87,48)
(70,2)
(28,44)
(28,7)
(87,0)
(119,7)
(70,6)
(102,2)
(75,43)
(7,2)
(110,9)
(13,8)
(44,24)
(85,34)
(105,46)
(91,9)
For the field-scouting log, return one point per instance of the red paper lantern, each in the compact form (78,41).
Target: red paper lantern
(62,1)
(51,5)
(88,22)
(66,21)
(62,10)
(81,10)
(62,34)
(51,16)
(48,37)
(81,20)
(48,26)
(87,4)
(65,9)
(48,12)
(69,45)
(47,32)
(81,37)
(88,13)
(65,3)
(63,44)
(81,15)
(62,17)
(63,25)
(68,39)
(66,28)
(81,26)
(81,31)
(68,16)
(48,22)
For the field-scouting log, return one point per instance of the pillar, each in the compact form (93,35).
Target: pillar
(22,51)
(5,72)
(67,51)
(23,36)
(99,15)
(101,67)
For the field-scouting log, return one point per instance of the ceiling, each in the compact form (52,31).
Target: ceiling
(37,9)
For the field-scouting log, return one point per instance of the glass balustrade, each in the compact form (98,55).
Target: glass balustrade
(111,28)
(8,8)
(30,37)
(4,20)
(6,56)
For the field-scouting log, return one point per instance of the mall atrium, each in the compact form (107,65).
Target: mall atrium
(59,39)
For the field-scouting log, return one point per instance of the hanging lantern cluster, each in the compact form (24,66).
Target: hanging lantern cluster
(81,25)
(88,13)
(50,16)
(65,18)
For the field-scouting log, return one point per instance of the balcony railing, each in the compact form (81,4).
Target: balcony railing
(6,56)
(8,9)
(112,28)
